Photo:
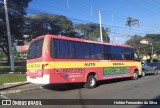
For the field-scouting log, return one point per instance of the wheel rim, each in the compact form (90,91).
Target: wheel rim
(92,82)
(135,75)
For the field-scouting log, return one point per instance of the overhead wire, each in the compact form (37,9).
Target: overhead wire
(35,11)
(84,21)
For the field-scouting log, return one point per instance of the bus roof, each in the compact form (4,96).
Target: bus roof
(79,40)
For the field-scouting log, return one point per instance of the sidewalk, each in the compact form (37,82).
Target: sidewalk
(18,87)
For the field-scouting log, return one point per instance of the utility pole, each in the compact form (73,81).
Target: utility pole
(151,52)
(114,36)
(9,37)
(114,30)
(100,23)
(113,40)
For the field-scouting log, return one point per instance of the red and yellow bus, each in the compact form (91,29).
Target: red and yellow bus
(58,59)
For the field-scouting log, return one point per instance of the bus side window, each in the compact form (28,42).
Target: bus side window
(62,49)
(116,53)
(96,51)
(55,48)
(128,53)
(123,58)
(39,48)
(107,52)
(69,47)
(92,51)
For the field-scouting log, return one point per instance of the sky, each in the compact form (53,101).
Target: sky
(114,14)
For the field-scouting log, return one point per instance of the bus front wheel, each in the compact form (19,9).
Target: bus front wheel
(91,82)
(135,76)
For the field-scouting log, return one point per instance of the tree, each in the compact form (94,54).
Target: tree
(155,40)
(134,41)
(90,31)
(146,49)
(131,22)
(41,24)
(157,50)
(16,12)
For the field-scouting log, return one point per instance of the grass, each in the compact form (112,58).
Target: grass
(17,68)
(10,78)
(8,67)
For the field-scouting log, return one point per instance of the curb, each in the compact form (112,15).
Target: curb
(20,90)
(11,85)
(16,83)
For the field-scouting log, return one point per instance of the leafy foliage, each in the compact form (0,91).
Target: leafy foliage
(134,41)
(155,40)
(132,22)
(90,31)
(16,12)
(146,49)
(41,24)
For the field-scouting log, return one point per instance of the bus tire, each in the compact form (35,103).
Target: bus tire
(135,76)
(91,82)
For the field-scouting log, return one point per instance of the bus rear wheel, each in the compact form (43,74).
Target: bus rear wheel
(91,82)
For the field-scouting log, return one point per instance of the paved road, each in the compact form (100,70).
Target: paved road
(143,88)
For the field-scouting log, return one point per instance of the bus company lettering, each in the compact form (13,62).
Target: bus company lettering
(118,63)
(37,65)
(73,70)
(31,66)
(34,66)
(90,64)
(70,70)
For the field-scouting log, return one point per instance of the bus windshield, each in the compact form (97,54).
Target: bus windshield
(35,49)
(136,56)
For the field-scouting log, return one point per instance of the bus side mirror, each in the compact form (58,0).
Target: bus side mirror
(137,59)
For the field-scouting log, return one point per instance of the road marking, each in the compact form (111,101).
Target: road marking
(4,97)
